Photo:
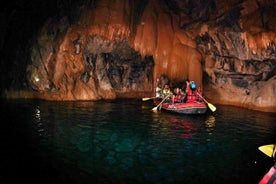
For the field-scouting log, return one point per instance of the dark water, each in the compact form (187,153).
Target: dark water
(125,142)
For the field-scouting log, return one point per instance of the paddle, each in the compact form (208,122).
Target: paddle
(155,108)
(211,106)
(267,149)
(148,98)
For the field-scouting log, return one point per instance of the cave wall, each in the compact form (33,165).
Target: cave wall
(240,56)
(175,54)
(119,48)
(65,60)
(90,60)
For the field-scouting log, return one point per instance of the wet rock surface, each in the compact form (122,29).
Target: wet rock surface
(106,50)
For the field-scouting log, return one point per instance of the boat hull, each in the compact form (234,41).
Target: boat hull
(184,108)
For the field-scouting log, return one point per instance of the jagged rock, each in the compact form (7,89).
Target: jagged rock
(119,48)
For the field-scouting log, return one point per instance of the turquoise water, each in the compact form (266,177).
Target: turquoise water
(123,141)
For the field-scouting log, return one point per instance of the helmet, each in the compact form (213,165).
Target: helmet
(193,85)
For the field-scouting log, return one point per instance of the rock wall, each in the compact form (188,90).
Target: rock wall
(119,48)
(240,56)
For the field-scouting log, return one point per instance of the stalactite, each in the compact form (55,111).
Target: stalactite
(220,44)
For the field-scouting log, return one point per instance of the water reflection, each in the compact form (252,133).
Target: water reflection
(126,140)
(38,121)
(113,143)
(210,122)
(210,125)
(183,125)
(37,115)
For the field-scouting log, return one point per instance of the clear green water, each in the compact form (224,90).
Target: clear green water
(123,141)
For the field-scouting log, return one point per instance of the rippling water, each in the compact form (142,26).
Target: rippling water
(123,141)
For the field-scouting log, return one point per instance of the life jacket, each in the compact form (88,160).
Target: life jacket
(192,96)
(270,176)
(176,98)
(166,92)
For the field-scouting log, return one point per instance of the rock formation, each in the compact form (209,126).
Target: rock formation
(119,48)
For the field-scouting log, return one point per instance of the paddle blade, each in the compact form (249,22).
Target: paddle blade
(154,108)
(212,107)
(267,149)
(145,99)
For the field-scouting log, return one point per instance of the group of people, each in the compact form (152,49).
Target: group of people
(179,95)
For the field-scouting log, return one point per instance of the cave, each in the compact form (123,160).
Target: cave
(93,50)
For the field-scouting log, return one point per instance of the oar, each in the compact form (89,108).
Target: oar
(267,149)
(148,98)
(211,106)
(155,108)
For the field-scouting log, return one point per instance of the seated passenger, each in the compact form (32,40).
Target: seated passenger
(199,91)
(176,96)
(191,91)
(166,91)
(183,96)
(158,89)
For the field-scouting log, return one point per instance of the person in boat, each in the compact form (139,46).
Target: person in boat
(199,91)
(166,91)
(270,176)
(183,95)
(176,98)
(191,91)
(158,89)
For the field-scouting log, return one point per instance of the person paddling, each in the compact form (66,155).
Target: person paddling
(270,176)
(191,91)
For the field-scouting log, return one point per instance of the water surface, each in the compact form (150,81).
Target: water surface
(123,141)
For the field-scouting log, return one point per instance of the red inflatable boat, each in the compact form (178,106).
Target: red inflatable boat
(183,108)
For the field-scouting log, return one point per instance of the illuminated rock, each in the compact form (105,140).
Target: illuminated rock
(119,49)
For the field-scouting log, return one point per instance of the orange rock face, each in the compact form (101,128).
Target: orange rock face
(119,49)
